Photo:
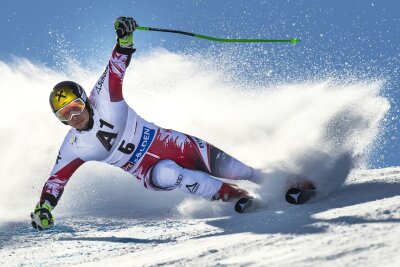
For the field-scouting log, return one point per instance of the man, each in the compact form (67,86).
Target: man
(105,128)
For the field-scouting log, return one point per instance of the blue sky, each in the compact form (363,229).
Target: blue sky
(357,38)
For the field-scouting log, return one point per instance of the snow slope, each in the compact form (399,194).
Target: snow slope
(358,225)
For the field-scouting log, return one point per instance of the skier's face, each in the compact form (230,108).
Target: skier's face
(80,121)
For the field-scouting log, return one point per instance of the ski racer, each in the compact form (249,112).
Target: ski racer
(105,128)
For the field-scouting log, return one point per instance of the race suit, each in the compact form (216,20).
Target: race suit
(121,138)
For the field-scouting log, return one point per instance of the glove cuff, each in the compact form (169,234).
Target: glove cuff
(124,50)
(126,42)
(43,206)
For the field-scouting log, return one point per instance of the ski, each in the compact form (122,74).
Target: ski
(244,205)
(298,196)
(293,196)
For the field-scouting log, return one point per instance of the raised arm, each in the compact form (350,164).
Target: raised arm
(109,85)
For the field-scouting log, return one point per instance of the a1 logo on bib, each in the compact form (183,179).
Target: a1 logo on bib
(107,139)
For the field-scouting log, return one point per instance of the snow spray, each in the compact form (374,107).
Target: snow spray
(320,129)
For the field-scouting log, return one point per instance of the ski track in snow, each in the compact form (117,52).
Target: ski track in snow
(357,225)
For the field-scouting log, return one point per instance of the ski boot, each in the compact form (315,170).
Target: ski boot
(300,191)
(230,192)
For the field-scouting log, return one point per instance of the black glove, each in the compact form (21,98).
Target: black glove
(124,26)
(41,218)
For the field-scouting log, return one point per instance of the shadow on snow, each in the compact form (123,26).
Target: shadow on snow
(116,239)
(301,220)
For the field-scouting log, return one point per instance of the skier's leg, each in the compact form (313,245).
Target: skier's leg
(225,166)
(167,175)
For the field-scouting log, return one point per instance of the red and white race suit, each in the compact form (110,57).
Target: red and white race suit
(121,138)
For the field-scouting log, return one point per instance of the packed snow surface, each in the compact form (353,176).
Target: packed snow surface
(322,130)
(358,225)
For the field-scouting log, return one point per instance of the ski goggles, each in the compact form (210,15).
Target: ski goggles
(75,107)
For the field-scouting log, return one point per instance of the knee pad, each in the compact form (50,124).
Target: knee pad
(168,175)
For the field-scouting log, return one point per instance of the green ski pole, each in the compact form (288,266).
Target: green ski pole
(293,40)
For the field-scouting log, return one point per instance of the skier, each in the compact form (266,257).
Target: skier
(104,128)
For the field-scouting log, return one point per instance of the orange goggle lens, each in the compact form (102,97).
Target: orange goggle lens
(74,108)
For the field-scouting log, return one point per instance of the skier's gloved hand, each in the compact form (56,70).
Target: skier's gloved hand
(124,27)
(41,218)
